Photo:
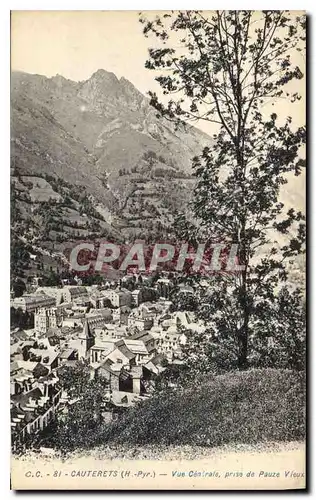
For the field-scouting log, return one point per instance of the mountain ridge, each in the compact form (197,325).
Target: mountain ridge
(91,159)
(96,151)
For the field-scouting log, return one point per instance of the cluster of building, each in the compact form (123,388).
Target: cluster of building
(124,334)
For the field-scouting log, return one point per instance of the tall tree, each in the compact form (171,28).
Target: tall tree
(228,68)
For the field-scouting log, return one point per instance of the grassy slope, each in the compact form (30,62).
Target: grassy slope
(260,411)
(250,407)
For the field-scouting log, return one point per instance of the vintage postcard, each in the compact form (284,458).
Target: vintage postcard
(158,304)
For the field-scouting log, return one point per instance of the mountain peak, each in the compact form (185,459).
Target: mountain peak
(59,79)
(131,91)
(124,81)
(101,74)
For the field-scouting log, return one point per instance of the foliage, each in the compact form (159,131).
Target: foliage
(74,379)
(20,257)
(15,213)
(281,339)
(21,319)
(83,421)
(73,193)
(18,287)
(93,279)
(184,301)
(51,279)
(173,375)
(278,339)
(224,68)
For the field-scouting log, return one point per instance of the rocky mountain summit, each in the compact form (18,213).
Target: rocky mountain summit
(92,159)
(101,137)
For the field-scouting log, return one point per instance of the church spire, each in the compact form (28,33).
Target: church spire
(86,333)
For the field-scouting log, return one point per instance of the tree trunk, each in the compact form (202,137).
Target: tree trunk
(243,333)
(243,344)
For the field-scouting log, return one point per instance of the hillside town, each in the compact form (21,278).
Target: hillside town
(126,331)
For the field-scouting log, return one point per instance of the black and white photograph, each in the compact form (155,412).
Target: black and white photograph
(158,250)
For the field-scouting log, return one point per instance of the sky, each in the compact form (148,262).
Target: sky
(75,44)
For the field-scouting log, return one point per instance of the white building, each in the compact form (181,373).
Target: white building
(75,294)
(47,318)
(31,303)
(140,323)
(118,298)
